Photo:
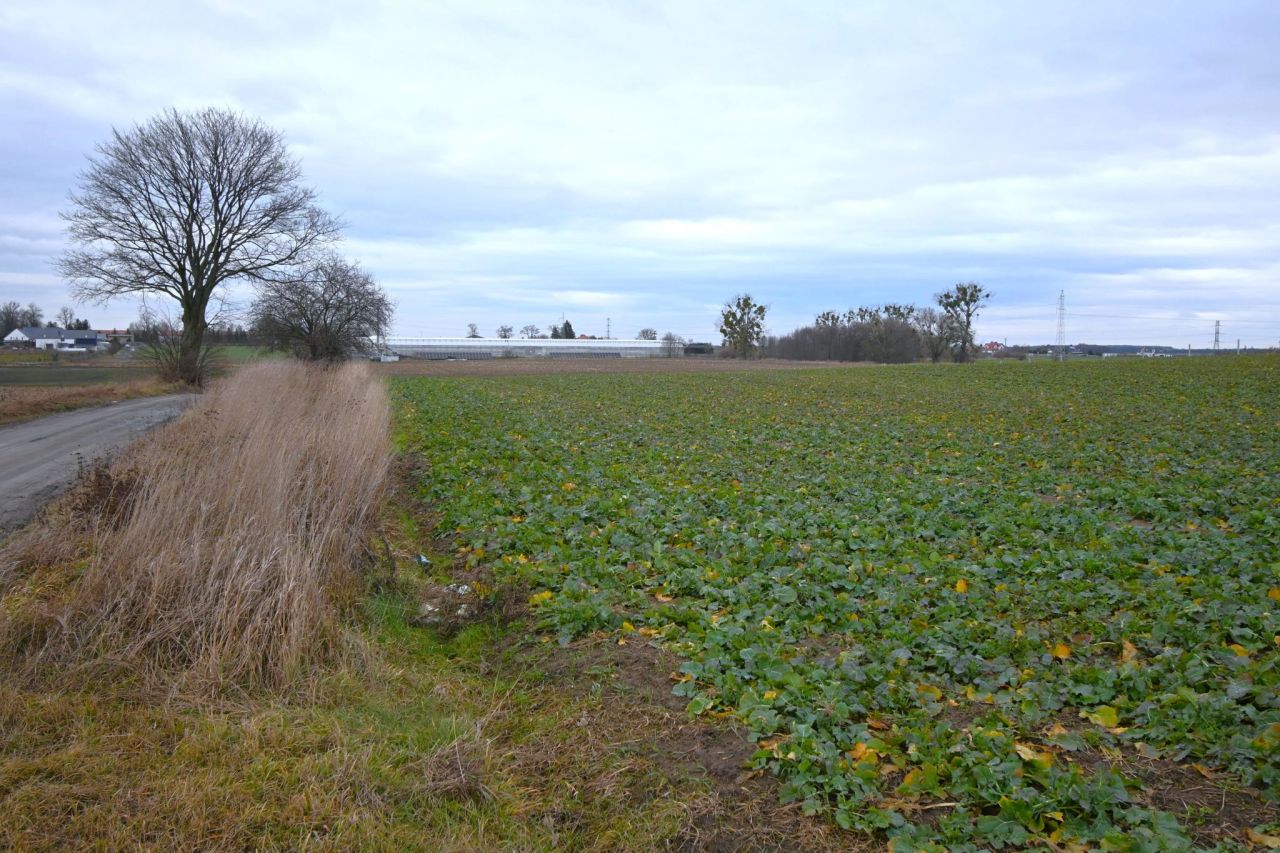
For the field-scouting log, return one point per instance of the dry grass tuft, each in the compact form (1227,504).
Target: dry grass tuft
(25,402)
(221,553)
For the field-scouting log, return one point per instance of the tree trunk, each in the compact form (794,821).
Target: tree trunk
(190,364)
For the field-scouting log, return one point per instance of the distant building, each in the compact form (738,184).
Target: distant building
(487,348)
(123,337)
(52,338)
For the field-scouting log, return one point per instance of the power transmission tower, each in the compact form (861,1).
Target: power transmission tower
(1062,325)
(1217,335)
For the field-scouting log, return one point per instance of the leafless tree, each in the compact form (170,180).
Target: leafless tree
(530,331)
(936,332)
(66,317)
(504,332)
(10,317)
(328,311)
(647,335)
(672,345)
(183,204)
(30,316)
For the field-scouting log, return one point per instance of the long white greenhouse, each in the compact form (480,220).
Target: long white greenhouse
(482,348)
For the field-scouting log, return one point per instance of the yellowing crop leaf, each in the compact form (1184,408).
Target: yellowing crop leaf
(1061,651)
(962,585)
(1103,715)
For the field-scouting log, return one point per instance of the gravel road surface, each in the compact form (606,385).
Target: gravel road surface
(38,459)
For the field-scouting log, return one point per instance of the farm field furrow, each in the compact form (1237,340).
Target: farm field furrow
(961,605)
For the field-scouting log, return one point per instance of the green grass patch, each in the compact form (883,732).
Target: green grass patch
(957,605)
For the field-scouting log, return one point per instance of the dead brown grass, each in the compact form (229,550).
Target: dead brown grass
(22,403)
(222,553)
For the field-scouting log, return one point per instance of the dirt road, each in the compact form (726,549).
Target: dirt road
(38,459)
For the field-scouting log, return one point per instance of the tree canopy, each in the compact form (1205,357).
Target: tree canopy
(742,324)
(183,204)
(329,311)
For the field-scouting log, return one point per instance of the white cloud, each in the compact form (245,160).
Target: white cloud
(654,158)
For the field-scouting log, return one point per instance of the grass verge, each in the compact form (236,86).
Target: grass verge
(22,403)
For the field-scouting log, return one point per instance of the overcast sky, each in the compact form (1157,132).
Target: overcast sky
(503,162)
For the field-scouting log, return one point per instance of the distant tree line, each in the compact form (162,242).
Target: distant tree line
(890,333)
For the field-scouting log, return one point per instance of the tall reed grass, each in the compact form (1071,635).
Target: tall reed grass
(220,552)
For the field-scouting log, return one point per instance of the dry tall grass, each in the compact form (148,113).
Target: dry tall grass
(219,553)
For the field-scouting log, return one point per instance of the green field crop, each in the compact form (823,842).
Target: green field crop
(946,601)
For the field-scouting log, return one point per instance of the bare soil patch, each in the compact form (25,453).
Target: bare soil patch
(1212,807)
(737,809)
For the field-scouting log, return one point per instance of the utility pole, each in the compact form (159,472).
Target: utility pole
(608,328)
(1062,325)
(1217,334)
(1237,346)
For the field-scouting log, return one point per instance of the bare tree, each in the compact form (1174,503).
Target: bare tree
(647,335)
(473,331)
(672,345)
(66,317)
(936,332)
(10,317)
(504,332)
(30,316)
(961,304)
(530,331)
(183,204)
(329,311)
(742,324)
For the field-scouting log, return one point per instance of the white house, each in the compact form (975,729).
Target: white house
(67,340)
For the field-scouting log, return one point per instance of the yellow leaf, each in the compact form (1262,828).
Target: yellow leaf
(1240,650)
(540,597)
(1025,751)
(1103,715)
(1202,770)
(568,487)
(1263,839)
(663,598)
(1061,651)
(1129,651)
(1274,593)
(770,695)
(628,627)
(929,690)
(962,585)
